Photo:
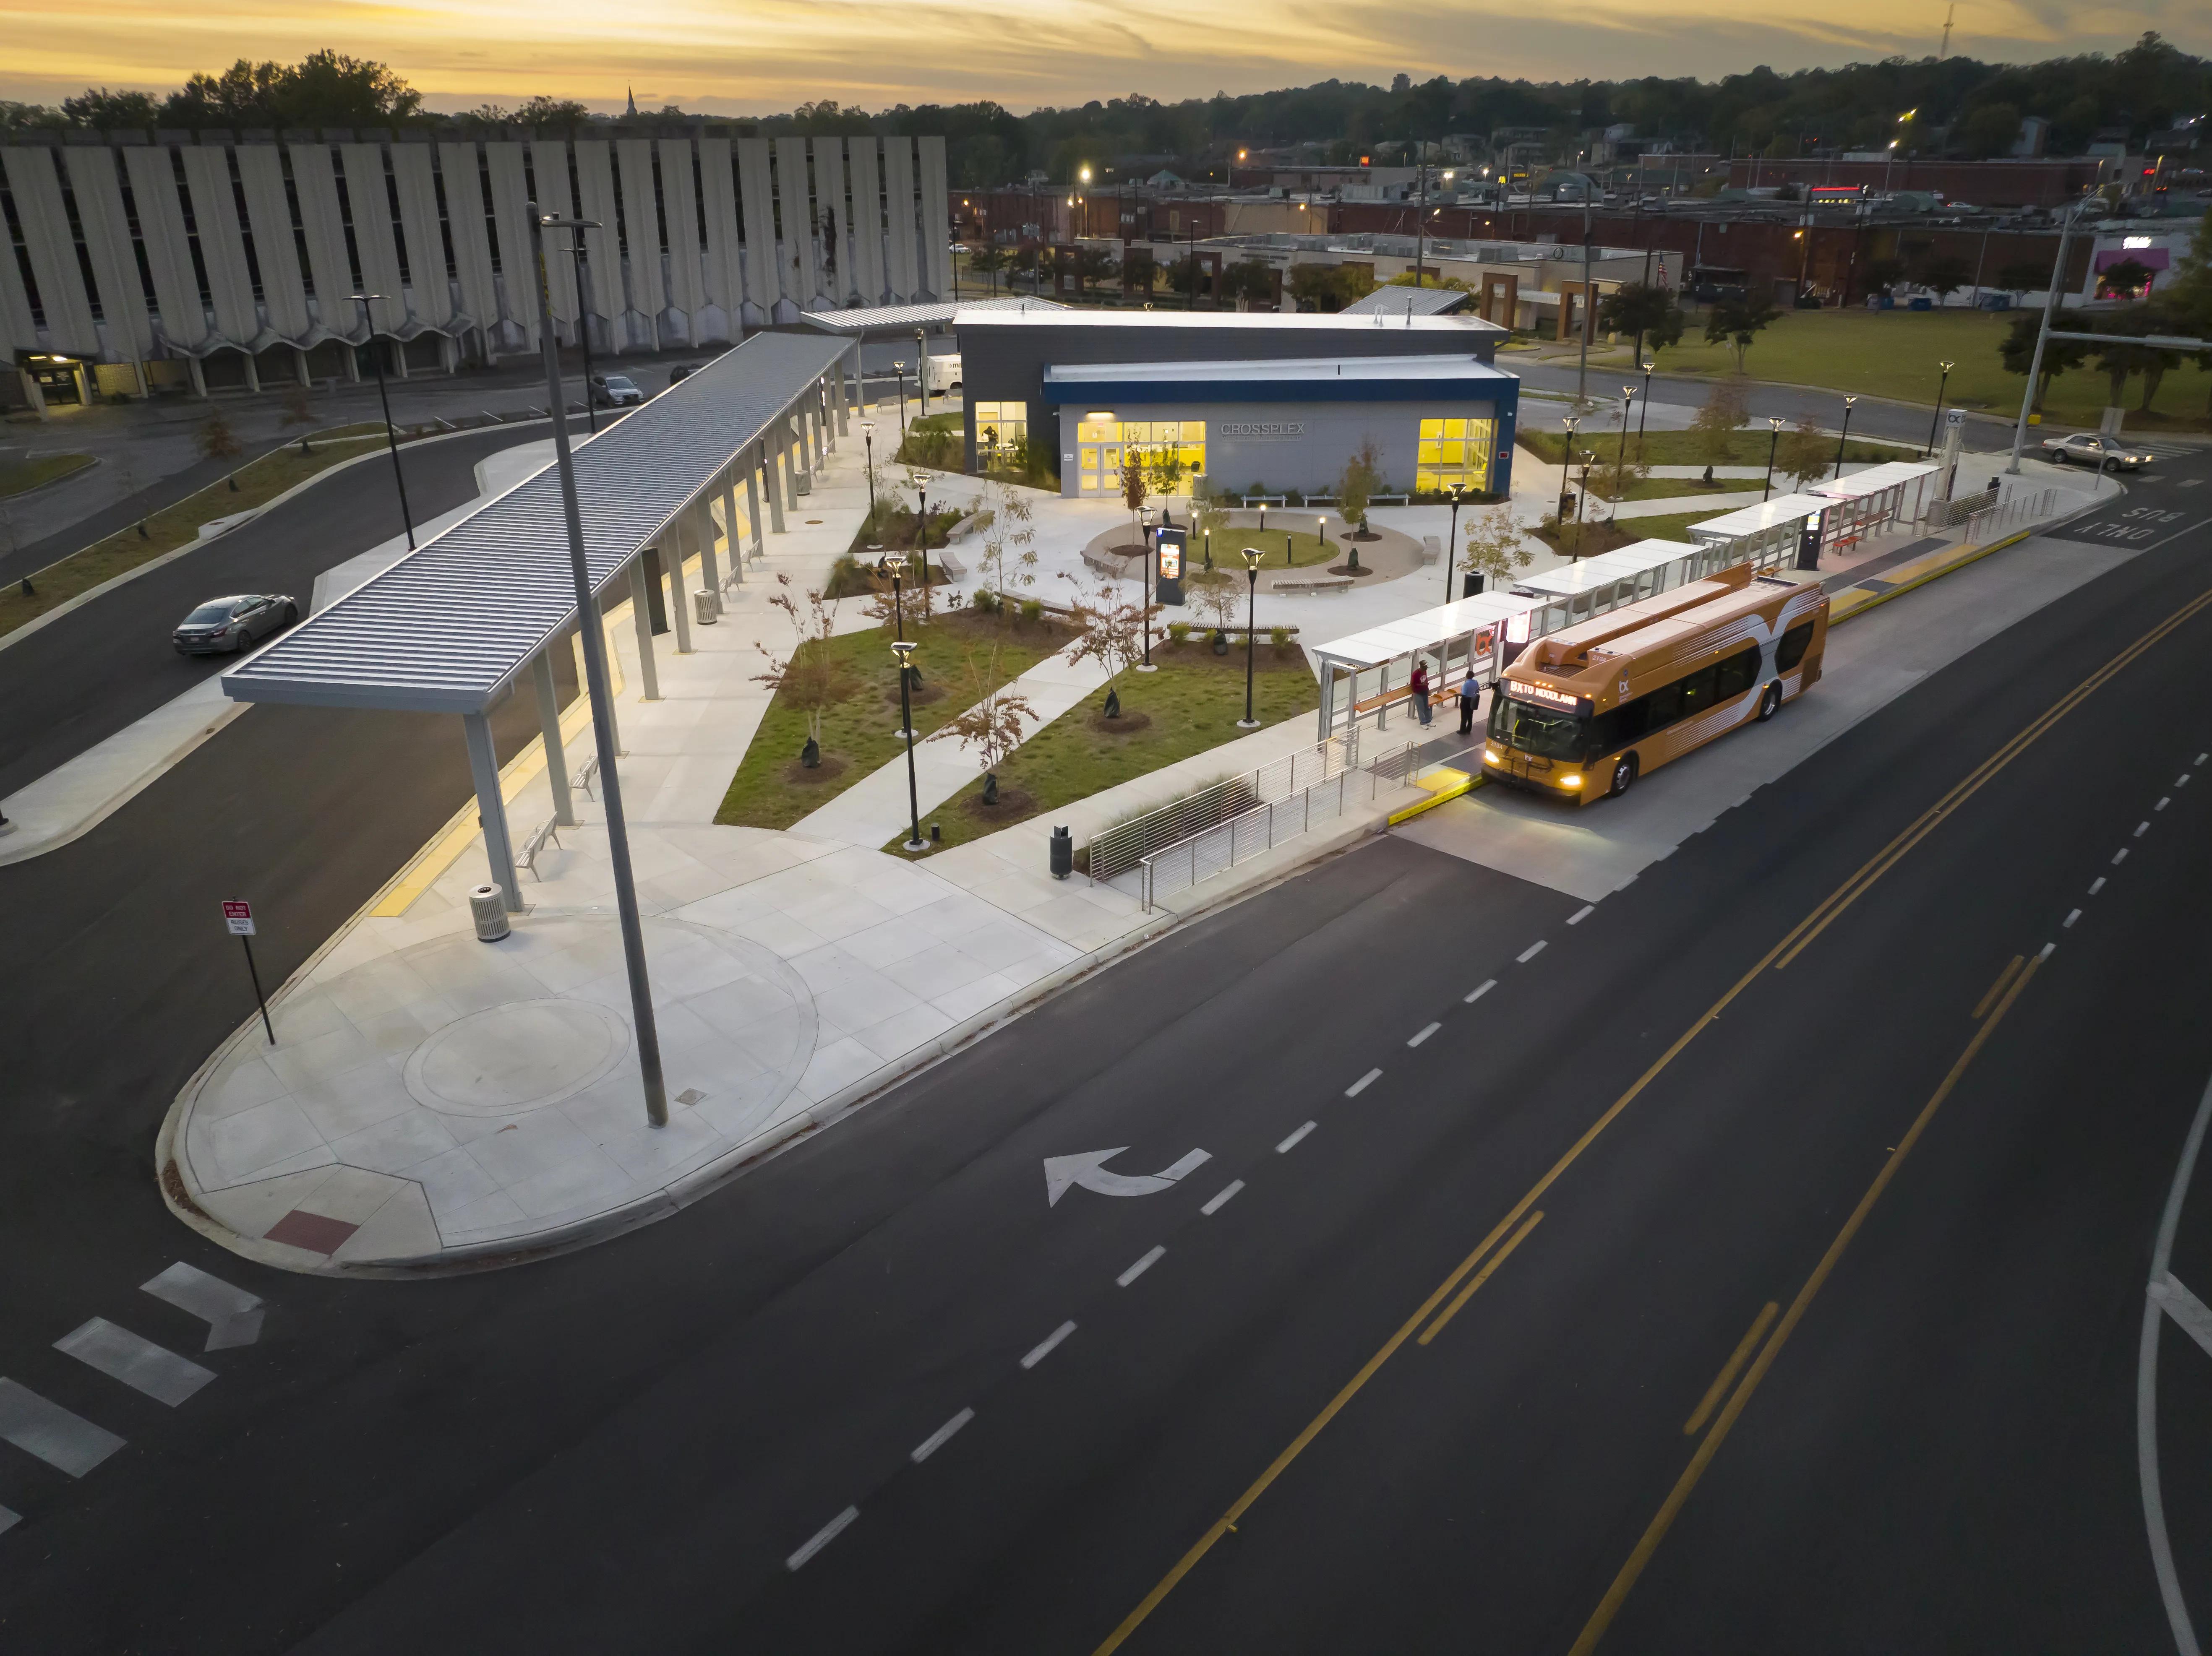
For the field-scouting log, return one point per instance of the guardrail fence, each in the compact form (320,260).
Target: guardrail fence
(1994,523)
(1120,849)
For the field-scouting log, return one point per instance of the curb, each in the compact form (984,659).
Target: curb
(732,1164)
(1980,552)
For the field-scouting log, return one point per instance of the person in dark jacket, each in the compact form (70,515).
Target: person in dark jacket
(1470,696)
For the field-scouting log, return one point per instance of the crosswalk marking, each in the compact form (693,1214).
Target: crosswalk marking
(49,1431)
(140,1364)
(233,1315)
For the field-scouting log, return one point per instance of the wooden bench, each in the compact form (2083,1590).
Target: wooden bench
(534,843)
(1312,583)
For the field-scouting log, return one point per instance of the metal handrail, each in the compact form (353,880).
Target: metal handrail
(1117,849)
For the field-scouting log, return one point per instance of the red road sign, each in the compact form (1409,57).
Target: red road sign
(239,917)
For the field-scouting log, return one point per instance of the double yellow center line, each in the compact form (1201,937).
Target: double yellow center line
(1778,956)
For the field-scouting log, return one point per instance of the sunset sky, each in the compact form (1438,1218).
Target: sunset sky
(762,56)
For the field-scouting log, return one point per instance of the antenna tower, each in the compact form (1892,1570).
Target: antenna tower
(1944,51)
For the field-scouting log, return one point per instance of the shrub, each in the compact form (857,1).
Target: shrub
(985,601)
(1032,608)
(1279,637)
(1178,632)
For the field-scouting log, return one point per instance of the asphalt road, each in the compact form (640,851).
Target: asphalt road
(626,1445)
(79,679)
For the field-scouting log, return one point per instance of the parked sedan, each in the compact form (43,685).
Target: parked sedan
(234,625)
(2087,448)
(615,391)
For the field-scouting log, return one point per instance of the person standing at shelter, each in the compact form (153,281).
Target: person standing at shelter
(1420,689)
(1470,697)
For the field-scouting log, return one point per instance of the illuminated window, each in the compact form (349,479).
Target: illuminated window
(1101,444)
(1000,427)
(1454,451)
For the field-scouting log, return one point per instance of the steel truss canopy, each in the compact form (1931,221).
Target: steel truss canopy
(860,321)
(449,627)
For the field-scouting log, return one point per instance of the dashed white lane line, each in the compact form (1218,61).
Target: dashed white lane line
(2097,886)
(2181,780)
(1140,1267)
(49,1431)
(2120,856)
(1582,914)
(1423,1034)
(1480,990)
(2164,800)
(1291,1142)
(1363,1083)
(140,1364)
(2142,829)
(2048,949)
(2071,916)
(1221,1197)
(2203,759)
(1530,952)
(938,1438)
(822,1536)
(1045,1347)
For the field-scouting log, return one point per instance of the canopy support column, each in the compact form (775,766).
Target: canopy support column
(703,526)
(549,721)
(730,522)
(491,808)
(671,560)
(844,401)
(641,611)
(763,474)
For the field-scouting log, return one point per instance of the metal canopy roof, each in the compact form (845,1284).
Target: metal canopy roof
(1426,630)
(447,628)
(1767,514)
(875,318)
(1609,568)
(1891,474)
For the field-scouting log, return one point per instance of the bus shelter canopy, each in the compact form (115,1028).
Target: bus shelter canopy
(448,627)
(1783,511)
(1875,480)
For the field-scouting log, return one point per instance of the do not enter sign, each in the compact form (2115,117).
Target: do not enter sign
(239,917)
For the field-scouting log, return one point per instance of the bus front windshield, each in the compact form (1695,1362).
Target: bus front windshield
(1538,730)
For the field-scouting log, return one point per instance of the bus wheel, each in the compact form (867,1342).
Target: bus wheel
(1771,703)
(1623,775)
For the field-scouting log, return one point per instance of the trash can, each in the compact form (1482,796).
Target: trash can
(1063,853)
(802,482)
(706,607)
(488,909)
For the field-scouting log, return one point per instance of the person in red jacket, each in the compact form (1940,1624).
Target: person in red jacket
(1421,689)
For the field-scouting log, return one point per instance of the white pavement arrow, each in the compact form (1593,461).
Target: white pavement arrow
(1089,1171)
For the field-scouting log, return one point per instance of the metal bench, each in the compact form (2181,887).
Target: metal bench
(1312,583)
(586,774)
(534,843)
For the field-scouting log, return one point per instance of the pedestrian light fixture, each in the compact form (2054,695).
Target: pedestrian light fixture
(1843,436)
(1774,426)
(868,437)
(1252,556)
(904,649)
(1940,385)
(391,431)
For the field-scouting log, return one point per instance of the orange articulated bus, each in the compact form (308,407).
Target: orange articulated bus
(1586,711)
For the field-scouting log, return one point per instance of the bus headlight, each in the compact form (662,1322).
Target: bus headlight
(1490,756)
(1570,781)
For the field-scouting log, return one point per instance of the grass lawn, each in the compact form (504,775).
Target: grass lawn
(1596,537)
(34,471)
(1746,447)
(259,482)
(1193,703)
(772,791)
(1894,354)
(1666,488)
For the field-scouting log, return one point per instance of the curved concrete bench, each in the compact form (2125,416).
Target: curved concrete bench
(1311,583)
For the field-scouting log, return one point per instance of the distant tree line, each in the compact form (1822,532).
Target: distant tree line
(1963,107)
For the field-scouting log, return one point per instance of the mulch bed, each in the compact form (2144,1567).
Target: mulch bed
(1128,725)
(928,693)
(830,768)
(1013,805)
(1346,570)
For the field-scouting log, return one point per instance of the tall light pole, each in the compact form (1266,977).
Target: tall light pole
(1774,426)
(583,333)
(1566,453)
(1844,436)
(921,368)
(1451,543)
(1620,458)
(390,431)
(904,651)
(1145,666)
(899,368)
(1252,556)
(1646,413)
(1940,386)
(921,542)
(868,439)
(2043,333)
(593,638)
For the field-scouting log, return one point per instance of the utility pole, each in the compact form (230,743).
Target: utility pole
(2043,333)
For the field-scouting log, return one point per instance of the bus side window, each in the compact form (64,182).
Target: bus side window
(1738,674)
(1666,706)
(1697,691)
(1791,649)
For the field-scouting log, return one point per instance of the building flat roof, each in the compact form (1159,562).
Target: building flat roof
(873,318)
(1410,301)
(1311,379)
(1257,321)
(449,627)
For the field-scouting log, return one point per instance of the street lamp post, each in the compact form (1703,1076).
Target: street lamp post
(898,367)
(593,638)
(1583,495)
(1774,426)
(1566,454)
(390,431)
(1451,543)
(904,651)
(1844,436)
(1644,413)
(1940,385)
(1620,458)
(1252,556)
(868,439)
(921,542)
(922,369)
(1145,666)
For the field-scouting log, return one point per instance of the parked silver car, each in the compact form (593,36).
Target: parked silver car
(2087,448)
(234,625)
(615,391)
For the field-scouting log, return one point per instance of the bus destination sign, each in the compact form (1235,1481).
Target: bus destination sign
(1546,696)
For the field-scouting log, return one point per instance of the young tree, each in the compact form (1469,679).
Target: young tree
(1222,596)
(1493,547)
(810,677)
(215,438)
(1713,427)
(993,722)
(2018,351)
(1091,266)
(2125,280)
(1134,495)
(1109,630)
(1737,322)
(1945,276)
(1249,280)
(298,411)
(1648,312)
(987,262)
(1883,274)
(1806,452)
(1009,538)
(1137,272)
(1361,483)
